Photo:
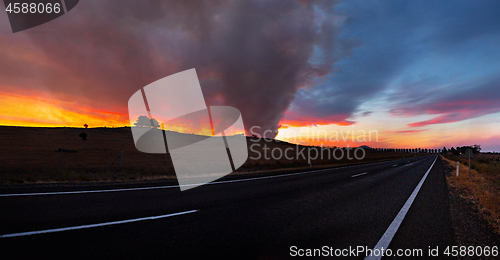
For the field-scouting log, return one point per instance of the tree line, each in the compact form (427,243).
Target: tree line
(476,149)
(455,151)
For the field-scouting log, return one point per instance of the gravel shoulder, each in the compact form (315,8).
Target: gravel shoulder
(469,221)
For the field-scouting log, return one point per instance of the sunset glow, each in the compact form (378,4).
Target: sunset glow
(308,76)
(18,110)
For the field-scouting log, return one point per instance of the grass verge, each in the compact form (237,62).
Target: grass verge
(483,188)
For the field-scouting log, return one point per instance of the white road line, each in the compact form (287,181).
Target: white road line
(386,239)
(359,174)
(95,225)
(186,185)
(156,187)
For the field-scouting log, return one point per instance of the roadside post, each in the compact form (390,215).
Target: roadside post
(458,167)
(469,163)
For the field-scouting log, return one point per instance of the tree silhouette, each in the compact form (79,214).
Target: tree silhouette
(144,121)
(476,149)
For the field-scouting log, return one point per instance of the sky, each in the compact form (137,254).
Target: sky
(392,74)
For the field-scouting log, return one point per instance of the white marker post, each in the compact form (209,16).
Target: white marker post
(469,162)
(458,167)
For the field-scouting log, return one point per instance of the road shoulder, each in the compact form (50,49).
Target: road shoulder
(469,224)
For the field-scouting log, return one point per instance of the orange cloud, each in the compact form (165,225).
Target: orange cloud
(406,131)
(27,110)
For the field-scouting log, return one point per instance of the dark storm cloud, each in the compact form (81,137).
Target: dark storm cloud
(368,71)
(412,55)
(253,55)
(259,56)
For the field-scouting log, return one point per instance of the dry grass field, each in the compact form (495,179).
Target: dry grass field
(484,185)
(30,154)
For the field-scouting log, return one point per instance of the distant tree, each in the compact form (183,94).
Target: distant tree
(465,149)
(444,151)
(83,135)
(85,125)
(144,121)
(476,149)
(454,151)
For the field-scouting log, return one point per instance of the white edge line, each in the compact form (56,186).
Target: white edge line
(95,225)
(184,185)
(386,239)
(156,187)
(359,174)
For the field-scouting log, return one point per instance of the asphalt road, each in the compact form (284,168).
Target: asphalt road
(257,216)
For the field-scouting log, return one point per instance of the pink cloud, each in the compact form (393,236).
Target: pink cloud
(406,131)
(457,106)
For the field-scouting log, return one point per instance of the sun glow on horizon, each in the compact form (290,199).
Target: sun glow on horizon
(379,130)
(19,110)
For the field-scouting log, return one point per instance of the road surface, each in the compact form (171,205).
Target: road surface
(256,216)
